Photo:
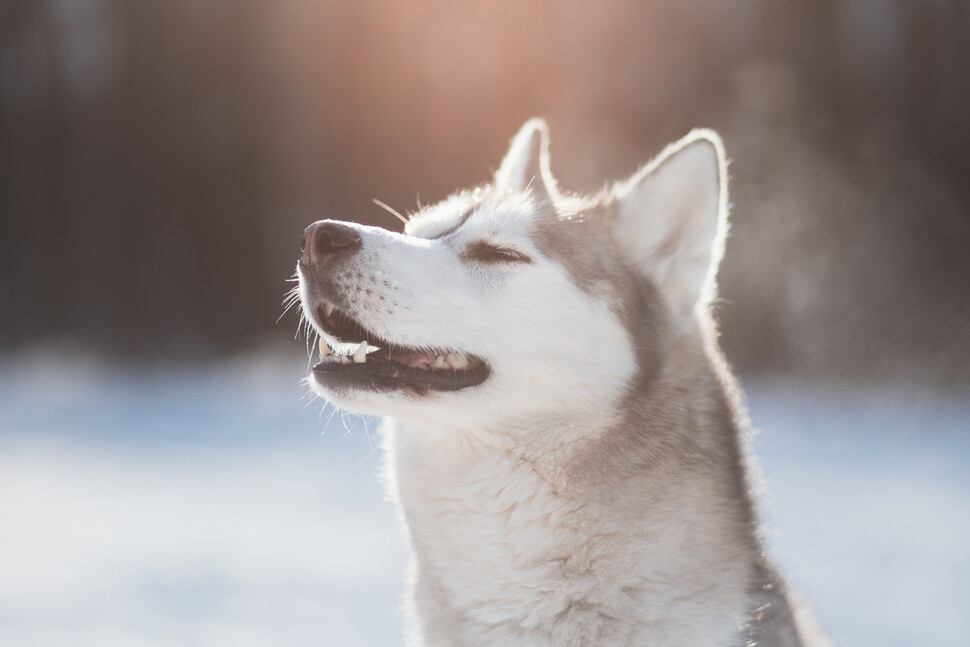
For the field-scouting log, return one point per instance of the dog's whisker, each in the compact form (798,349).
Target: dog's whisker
(373,451)
(291,298)
(287,307)
(367,433)
(347,430)
(391,210)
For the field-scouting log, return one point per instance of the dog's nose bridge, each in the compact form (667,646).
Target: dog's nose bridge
(325,238)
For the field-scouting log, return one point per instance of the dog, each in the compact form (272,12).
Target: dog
(565,440)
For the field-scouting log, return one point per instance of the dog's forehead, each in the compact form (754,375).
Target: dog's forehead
(580,237)
(476,211)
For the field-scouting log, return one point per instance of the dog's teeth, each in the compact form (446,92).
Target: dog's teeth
(324,349)
(360,355)
(457,360)
(439,362)
(330,308)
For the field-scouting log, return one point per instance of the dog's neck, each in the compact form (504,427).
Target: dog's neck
(645,517)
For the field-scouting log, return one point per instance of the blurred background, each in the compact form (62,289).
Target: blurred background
(163,479)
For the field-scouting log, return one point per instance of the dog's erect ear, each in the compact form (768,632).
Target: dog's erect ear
(672,219)
(526,165)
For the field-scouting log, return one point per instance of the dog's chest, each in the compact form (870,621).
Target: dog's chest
(494,541)
(506,554)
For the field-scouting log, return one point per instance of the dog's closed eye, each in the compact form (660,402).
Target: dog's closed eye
(489,253)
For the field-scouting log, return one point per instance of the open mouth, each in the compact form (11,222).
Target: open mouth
(359,358)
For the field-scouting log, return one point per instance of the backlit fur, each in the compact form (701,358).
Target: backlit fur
(594,490)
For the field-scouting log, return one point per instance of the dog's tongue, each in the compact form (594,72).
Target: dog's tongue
(412,358)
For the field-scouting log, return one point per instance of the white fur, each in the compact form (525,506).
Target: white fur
(555,503)
(438,300)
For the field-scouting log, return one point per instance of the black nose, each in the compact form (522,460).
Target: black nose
(327,237)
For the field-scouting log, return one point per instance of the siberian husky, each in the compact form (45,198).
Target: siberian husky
(565,440)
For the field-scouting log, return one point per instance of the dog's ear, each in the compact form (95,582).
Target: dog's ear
(526,165)
(672,219)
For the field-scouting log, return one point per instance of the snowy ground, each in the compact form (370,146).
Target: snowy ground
(216,508)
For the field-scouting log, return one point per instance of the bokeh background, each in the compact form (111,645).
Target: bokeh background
(164,481)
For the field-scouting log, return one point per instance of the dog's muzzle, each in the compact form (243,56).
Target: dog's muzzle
(351,355)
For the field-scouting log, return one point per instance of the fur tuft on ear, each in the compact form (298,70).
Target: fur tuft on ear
(672,219)
(526,165)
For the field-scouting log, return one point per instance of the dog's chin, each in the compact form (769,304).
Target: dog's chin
(354,360)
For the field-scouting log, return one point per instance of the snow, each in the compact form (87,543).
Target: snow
(220,507)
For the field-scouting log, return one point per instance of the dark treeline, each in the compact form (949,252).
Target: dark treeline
(159,159)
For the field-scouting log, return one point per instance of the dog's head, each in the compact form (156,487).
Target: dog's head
(514,300)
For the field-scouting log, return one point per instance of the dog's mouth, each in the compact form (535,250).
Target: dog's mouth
(359,358)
